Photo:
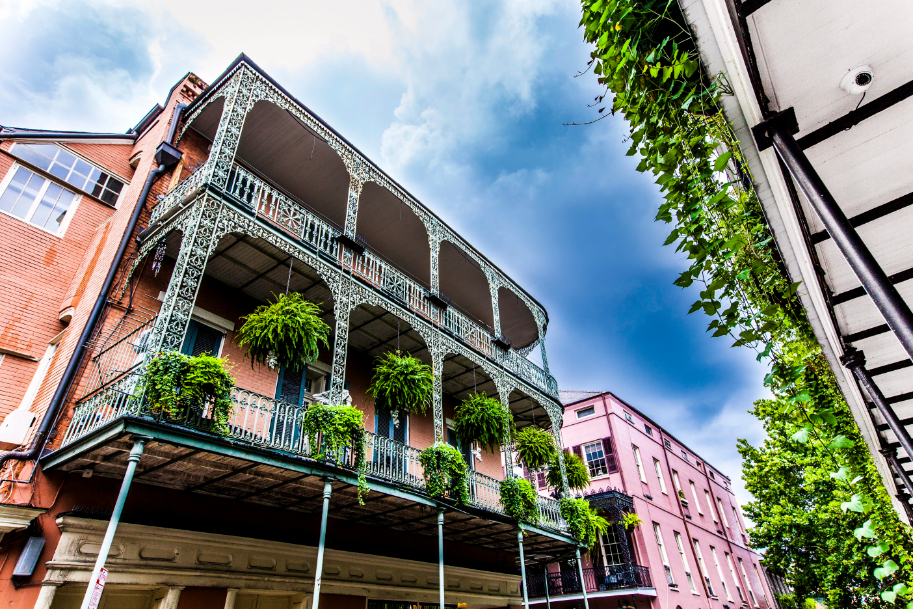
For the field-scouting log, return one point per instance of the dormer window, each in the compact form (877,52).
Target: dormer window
(586,412)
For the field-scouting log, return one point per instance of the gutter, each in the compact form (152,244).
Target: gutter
(167,156)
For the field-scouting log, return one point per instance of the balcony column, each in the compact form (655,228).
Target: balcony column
(46,595)
(540,324)
(225,143)
(435,237)
(508,448)
(523,569)
(344,302)
(493,285)
(357,179)
(318,573)
(197,242)
(436,349)
(586,602)
(557,419)
(440,556)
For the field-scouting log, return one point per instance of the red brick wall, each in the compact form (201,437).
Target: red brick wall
(113,157)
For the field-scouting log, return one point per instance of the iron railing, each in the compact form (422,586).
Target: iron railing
(289,215)
(118,358)
(263,421)
(597,579)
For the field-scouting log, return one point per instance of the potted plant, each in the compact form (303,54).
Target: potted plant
(286,333)
(535,447)
(582,521)
(630,520)
(402,382)
(338,428)
(179,386)
(578,476)
(482,419)
(520,499)
(681,496)
(446,473)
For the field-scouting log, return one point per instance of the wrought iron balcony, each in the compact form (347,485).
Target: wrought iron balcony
(597,579)
(265,422)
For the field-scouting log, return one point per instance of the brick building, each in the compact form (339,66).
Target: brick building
(692,538)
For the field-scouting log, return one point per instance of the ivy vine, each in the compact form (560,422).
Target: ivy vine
(584,523)
(446,472)
(645,57)
(520,499)
(337,428)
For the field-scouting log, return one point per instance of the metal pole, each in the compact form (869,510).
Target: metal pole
(440,555)
(586,603)
(873,278)
(548,599)
(855,361)
(523,569)
(327,491)
(135,453)
(904,477)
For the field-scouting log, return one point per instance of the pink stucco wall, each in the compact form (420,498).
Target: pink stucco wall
(696,521)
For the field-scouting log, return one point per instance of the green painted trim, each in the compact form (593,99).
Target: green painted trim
(83,445)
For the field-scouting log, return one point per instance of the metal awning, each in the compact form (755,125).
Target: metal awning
(776,56)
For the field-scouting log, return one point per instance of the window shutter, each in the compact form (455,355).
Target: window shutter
(609,450)
(578,450)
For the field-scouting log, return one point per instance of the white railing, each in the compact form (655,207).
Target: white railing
(550,514)
(181,191)
(485,492)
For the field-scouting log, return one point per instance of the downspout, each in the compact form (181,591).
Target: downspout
(165,155)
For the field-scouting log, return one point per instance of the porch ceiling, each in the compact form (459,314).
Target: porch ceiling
(191,462)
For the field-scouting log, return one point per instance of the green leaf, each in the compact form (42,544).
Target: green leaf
(841,442)
(854,504)
(886,569)
(801,435)
(865,531)
(721,161)
(840,474)
(877,550)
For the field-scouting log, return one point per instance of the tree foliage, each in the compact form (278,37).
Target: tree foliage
(645,57)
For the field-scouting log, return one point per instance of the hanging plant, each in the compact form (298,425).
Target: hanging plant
(535,447)
(287,332)
(402,382)
(630,520)
(339,427)
(179,386)
(582,521)
(578,476)
(520,499)
(446,473)
(482,419)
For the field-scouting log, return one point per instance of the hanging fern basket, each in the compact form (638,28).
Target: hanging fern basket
(402,382)
(535,447)
(482,419)
(578,476)
(286,333)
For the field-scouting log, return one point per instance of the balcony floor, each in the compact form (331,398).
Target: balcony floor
(192,461)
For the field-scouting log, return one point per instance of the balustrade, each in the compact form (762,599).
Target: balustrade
(596,579)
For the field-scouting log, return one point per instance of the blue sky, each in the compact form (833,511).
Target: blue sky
(464,104)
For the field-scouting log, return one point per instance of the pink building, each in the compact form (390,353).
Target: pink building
(691,550)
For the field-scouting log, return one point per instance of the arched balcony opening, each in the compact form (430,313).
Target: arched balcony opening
(517,322)
(389,227)
(460,379)
(528,411)
(465,283)
(279,149)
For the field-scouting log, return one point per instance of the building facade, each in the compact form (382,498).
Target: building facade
(691,539)
(118,247)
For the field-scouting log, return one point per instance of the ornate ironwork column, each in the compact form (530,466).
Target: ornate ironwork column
(434,242)
(557,420)
(493,285)
(198,229)
(540,324)
(435,347)
(344,302)
(225,142)
(356,183)
(508,448)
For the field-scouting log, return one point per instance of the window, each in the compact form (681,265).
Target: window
(668,444)
(612,549)
(659,475)
(585,412)
(703,568)
(735,515)
(710,506)
(697,501)
(201,338)
(722,512)
(681,552)
(72,170)
(595,459)
(628,416)
(747,583)
(758,575)
(719,571)
(649,430)
(712,477)
(738,588)
(698,464)
(465,449)
(677,485)
(30,197)
(684,455)
(662,554)
(640,465)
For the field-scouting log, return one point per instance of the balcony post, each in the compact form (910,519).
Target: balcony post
(440,556)
(548,598)
(437,398)
(434,241)
(197,242)
(321,546)
(586,602)
(523,569)
(540,323)
(493,285)
(344,303)
(557,420)
(135,453)
(228,133)
(508,448)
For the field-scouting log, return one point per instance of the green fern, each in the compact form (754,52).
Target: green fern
(288,332)
(583,521)
(578,476)
(535,447)
(482,419)
(446,473)
(402,382)
(520,499)
(338,427)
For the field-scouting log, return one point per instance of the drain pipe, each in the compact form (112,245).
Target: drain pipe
(167,156)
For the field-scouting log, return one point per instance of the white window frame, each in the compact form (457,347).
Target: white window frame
(628,416)
(754,600)
(580,415)
(676,483)
(640,465)
(659,475)
(605,460)
(735,577)
(719,571)
(681,552)
(760,581)
(62,229)
(697,499)
(710,506)
(662,554)
(722,512)
(703,568)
